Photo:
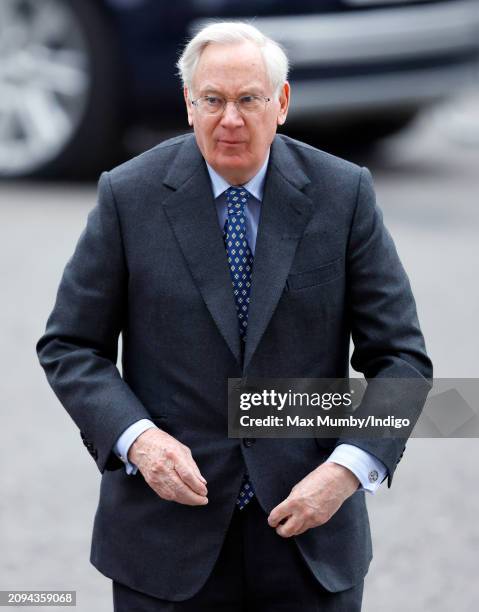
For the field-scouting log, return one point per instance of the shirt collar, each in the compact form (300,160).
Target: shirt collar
(255,186)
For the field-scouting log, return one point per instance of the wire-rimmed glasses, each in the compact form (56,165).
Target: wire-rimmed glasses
(248,104)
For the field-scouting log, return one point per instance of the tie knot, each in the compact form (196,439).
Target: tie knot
(236,198)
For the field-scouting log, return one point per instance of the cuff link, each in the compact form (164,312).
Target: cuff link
(373,476)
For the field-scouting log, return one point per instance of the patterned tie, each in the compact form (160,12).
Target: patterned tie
(240,261)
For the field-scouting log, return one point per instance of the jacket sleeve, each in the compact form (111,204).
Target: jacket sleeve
(79,348)
(388,343)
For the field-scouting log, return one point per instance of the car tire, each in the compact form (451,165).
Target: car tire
(79,92)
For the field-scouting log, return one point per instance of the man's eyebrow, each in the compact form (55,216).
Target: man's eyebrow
(252,90)
(211,89)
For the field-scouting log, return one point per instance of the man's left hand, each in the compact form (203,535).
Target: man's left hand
(314,500)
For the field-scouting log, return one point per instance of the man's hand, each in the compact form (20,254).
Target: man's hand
(169,468)
(314,500)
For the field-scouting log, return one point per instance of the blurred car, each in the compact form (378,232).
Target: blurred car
(75,74)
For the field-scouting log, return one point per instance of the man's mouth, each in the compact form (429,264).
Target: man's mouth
(230,142)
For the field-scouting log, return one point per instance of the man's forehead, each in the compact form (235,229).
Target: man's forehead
(244,57)
(242,50)
(231,69)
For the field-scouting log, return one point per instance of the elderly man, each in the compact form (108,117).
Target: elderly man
(229,253)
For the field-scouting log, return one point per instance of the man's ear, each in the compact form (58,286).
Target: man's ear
(284,98)
(189,106)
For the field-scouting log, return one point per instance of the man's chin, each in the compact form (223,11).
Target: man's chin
(231,161)
(235,155)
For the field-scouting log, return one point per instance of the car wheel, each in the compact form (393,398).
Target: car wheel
(60,111)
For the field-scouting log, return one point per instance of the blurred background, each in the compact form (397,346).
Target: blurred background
(393,85)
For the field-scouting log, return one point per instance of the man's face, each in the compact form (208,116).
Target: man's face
(235,145)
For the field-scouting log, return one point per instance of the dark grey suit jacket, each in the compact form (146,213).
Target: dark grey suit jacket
(151,265)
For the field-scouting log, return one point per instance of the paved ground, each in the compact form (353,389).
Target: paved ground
(425,528)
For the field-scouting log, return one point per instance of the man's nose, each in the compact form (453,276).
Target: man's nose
(231,115)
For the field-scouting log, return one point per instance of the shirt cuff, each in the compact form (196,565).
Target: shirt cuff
(127,438)
(369,470)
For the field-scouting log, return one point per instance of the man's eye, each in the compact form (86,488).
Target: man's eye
(247,100)
(212,101)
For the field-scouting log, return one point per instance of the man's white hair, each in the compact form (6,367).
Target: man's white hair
(230,32)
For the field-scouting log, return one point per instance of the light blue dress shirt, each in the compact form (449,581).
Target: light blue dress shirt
(369,470)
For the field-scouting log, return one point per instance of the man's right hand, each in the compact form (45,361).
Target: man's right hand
(169,468)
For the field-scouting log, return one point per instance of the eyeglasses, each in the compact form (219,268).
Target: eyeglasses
(246,105)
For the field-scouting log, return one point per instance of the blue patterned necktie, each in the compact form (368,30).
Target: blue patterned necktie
(240,262)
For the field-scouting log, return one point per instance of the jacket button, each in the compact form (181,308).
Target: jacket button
(249,442)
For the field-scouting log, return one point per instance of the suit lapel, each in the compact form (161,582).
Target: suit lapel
(285,211)
(191,211)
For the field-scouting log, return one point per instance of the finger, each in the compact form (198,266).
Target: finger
(184,495)
(184,466)
(190,479)
(281,512)
(291,527)
(304,527)
(196,470)
(193,465)
(188,498)
(172,488)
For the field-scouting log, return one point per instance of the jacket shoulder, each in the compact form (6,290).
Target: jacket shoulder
(316,160)
(153,163)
